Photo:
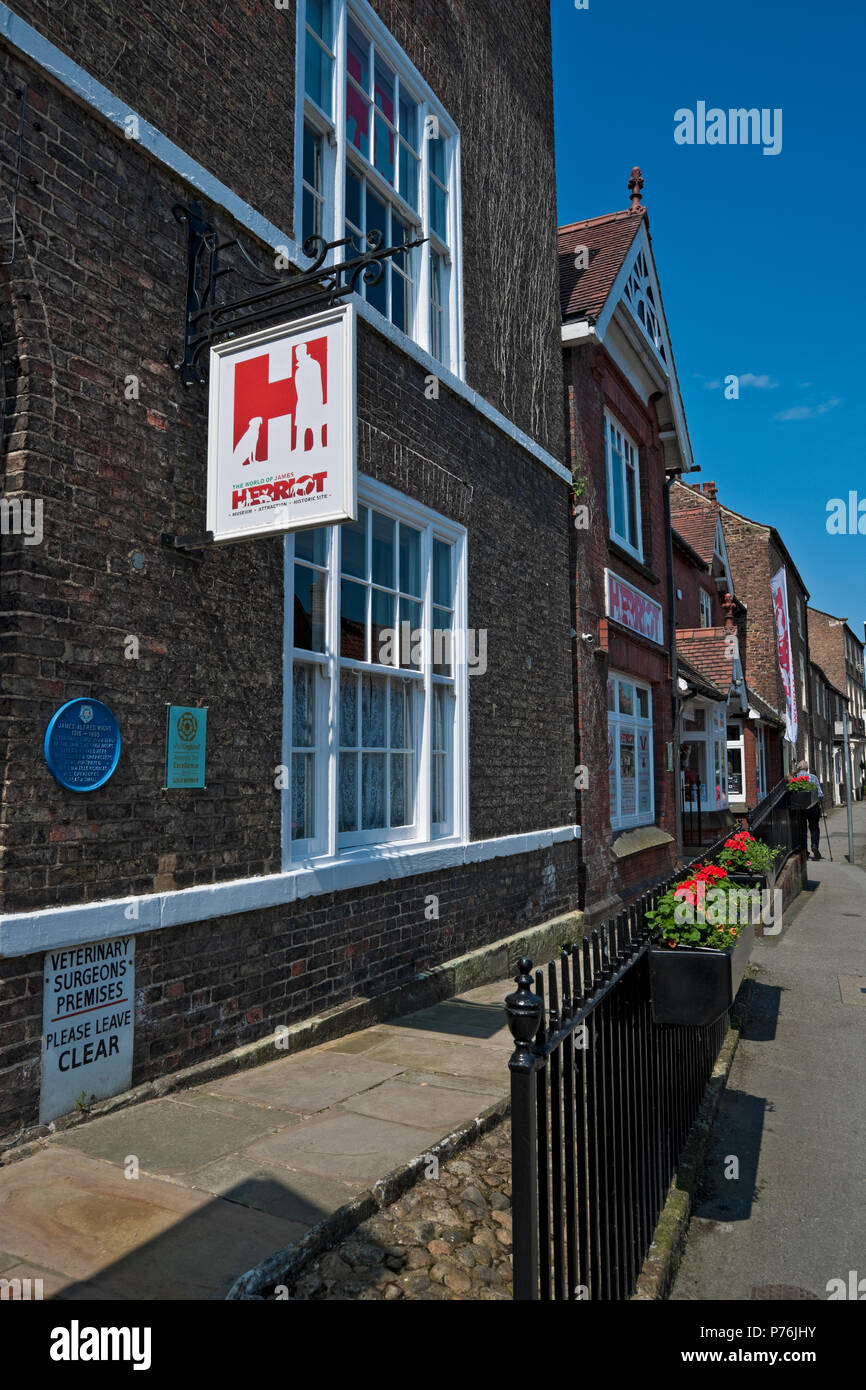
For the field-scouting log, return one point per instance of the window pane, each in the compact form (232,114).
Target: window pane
(348,791)
(353,199)
(626,698)
(373,791)
(384,150)
(377,216)
(612,736)
(373,696)
(398,791)
(309,632)
(438,212)
(626,772)
(408,122)
(383,550)
(400,715)
(617,491)
(309,216)
(312,152)
(384,90)
(443,641)
(348,709)
(353,534)
(410,560)
(611,695)
(353,620)
(436,157)
(357,108)
(644,782)
(303,706)
(312,545)
(411,650)
(317,74)
(302,796)
(409,176)
(439,810)
(319,18)
(643,703)
(442,590)
(631,485)
(385,640)
(401,308)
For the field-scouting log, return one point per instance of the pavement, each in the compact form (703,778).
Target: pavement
(782,1196)
(177,1197)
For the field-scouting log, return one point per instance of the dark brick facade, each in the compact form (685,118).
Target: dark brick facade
(94,297)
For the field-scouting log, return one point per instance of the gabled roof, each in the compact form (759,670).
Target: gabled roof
(697,526)
(704,648)
(583,293)
(766,711)
(683,546)
(703,685)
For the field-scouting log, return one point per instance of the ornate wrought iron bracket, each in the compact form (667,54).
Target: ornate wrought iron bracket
(281,290)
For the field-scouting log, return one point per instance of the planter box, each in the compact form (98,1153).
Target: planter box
(744,878)
(694,985)
(802,801)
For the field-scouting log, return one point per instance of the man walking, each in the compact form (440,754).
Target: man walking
(813,815)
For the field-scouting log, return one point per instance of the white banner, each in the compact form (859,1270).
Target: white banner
(779,587)
(281,428)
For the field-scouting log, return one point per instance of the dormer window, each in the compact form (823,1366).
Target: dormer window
(640,295)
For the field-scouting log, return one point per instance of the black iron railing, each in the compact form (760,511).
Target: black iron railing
(602,1101)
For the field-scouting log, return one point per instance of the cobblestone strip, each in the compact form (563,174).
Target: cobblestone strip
(447,1237)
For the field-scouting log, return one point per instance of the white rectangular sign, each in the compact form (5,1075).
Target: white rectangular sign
(88,1019)
(281,428)
(632,608)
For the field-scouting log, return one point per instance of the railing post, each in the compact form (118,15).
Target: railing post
(524,1012)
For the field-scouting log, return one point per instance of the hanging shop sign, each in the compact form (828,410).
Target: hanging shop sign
(281,431)
(632,608)
(87,1025)
(779,586)
(82,745)
(185,740)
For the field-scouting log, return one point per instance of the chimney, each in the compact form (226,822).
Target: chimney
(635,184)
(709,490)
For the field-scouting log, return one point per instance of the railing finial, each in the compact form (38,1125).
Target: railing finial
(524,1011)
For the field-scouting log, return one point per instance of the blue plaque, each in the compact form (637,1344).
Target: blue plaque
(185,739)
(82,745)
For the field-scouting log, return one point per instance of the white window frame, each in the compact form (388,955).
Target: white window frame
(761,761)
(706,607)
(336,155)
(738,745)
(328,842)
(715,740)
(639,724)
(612,424)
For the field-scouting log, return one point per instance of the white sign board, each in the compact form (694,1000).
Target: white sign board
(281,428)
(633,608)
(87,1024)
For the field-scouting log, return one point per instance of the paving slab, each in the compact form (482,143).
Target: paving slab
(353,1148)
(461,1018)
(417,1105)
(421,1052)
(307,1083)
(131,1239)
(169,1136)
(302,1198)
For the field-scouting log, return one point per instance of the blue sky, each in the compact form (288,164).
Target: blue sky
(759,256)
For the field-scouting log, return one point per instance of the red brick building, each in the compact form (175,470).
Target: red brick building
(627,438)
(839,653)
(731,746)
(769,585)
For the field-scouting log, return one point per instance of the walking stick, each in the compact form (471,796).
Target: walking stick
(826,831)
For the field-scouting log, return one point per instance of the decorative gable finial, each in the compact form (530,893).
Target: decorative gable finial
(728,606)
(635,184)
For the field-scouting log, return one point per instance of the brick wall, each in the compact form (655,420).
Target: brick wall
(205,988)
(754,558)
(221,85)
